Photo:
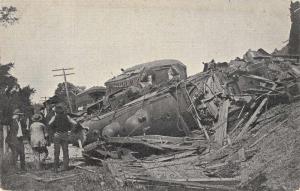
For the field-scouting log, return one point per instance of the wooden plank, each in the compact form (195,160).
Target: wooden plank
(185,183)
(245,116)
(180,162)
(176,147)
(60,178)
(221,132)
(175,156)
(85,169)
(219,180)
(254,116)
(129,140)
(295,71)
(270,89)
(39,179)
(33,176)
(259,78)
(160,138)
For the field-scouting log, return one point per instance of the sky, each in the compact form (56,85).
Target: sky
(97,38)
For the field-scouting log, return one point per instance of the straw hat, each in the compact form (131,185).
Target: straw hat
(18,112)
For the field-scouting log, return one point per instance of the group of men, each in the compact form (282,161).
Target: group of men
(39,132)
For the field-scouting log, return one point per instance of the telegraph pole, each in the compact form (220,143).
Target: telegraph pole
(64,74)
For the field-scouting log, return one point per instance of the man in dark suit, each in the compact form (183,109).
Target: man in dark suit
(15,139)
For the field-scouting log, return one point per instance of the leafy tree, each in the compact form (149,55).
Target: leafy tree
(7,81)
(7,84)
(12,96)
(8,15)
(21,99)
(74,90)
(61,93)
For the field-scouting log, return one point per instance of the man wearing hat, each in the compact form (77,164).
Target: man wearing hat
(15,139)
(60,124)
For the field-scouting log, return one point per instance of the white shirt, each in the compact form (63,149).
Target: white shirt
(19,134)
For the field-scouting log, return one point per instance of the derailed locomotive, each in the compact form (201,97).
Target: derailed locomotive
(151,98)
(157,98)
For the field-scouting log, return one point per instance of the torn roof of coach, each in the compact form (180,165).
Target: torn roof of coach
(132,75)
(154,65)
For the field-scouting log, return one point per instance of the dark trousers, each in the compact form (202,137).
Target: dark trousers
(61,140)
(18,150)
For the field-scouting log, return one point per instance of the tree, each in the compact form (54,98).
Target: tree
(8,15)
(12,96)
(60,92)
(7,81)
(21,99)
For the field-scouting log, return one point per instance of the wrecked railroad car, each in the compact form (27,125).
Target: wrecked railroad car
(167,109)
(178,107)
(139,101)
(137,81)
(160,72)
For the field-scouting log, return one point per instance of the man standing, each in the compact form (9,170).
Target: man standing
(60,124)
(15,139)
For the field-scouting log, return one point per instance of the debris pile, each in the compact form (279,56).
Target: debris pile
(235,108)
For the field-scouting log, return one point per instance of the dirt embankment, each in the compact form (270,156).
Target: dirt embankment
(276,165)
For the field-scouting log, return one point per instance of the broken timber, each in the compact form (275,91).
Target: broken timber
(39,179)
(221,132)
(254,116)
(214,102)
(187,184)
(197,116)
